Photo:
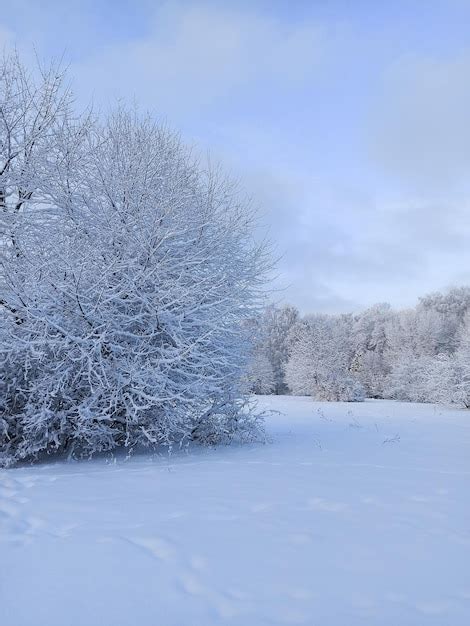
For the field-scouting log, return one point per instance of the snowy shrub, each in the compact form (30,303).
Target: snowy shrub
(128,274)
(344,389)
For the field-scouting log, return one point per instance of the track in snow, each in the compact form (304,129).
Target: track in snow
(353,515)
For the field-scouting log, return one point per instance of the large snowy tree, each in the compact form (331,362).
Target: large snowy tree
(128,273)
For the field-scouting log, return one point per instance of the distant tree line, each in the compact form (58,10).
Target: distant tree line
(420,354)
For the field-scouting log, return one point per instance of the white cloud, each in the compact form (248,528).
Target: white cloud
(199,56)
(421,131)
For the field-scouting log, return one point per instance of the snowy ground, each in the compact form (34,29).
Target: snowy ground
(353,515)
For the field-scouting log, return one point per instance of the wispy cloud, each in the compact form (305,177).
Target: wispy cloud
(347,123)
(421,134)
(200,57)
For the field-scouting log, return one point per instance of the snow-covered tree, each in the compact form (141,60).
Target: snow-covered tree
(34,116)
(273,341)
(421,343)
(260,375)
(453,379)
(419,354)
(320,359)
(369,365)
(455,302)
(409,378)
(125,300)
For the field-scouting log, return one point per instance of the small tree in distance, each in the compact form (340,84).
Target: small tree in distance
(320,359)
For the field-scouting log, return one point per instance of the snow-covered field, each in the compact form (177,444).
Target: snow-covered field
(352,515)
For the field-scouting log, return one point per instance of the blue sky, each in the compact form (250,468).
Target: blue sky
(348,122)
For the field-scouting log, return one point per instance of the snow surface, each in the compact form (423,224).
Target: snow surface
(352,515)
